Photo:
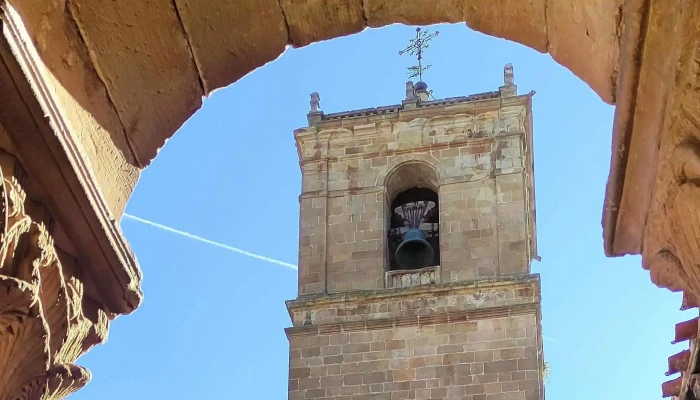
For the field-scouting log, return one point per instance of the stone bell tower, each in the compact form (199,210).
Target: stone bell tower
(417,232)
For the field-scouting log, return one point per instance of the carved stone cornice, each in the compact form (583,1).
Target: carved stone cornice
(417,320)
(657,155)
(670,249)
(51,154)
(46,321)
(657,47)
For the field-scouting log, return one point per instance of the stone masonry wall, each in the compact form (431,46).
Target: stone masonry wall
(494,359)
(477,341)
(356,242)
(477,157)
(482,228)
(353,307)
(312,244)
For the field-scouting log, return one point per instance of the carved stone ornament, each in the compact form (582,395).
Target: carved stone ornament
(671,247)
(45,320)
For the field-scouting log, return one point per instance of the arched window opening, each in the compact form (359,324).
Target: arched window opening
(414,237)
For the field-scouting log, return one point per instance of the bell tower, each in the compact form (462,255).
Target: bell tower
(416,236)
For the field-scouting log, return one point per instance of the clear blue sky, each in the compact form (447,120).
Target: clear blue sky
(211,325)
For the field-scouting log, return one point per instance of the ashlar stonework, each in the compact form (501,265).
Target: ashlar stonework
(87,105)
(468,328)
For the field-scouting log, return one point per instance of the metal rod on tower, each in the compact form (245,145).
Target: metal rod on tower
(415,48)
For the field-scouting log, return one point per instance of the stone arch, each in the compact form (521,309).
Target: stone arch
(116,92)
(144,87)
(408,182)
(395,164)
(411,173)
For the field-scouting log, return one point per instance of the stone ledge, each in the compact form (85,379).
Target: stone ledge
(391,113)
(458,143)
(419,320)
(380,188)
(323,299)
(397,109)
(423,300)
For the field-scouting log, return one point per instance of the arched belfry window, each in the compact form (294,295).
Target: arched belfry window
(413,239)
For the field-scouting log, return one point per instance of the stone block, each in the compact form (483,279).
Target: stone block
(501,366)
(311,21)
(528,364)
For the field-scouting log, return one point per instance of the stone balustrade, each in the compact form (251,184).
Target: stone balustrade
(414,277)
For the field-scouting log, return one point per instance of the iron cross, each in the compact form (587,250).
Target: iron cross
(415,48)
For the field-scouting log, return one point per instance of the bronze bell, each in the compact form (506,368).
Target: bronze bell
(414,252)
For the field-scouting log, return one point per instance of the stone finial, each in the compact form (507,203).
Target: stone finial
(410,93)
(508,78)
(315,102)
(315,115)
(508,89)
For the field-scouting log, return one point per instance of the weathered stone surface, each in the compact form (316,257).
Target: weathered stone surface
(87,230)
(657,127)
(158,57)
(523,21)
(584,36)
(435,362)
(141,52)
(231,38)
(649,50)
(315,20)
(656,209)
(405,176)
(675,211)
(423,276)
(413,12)
(403,344)
(58,55)
(353,167)
(46,321)
(465,325)
(419,301)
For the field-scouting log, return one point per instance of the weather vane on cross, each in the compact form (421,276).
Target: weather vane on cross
(415,48)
